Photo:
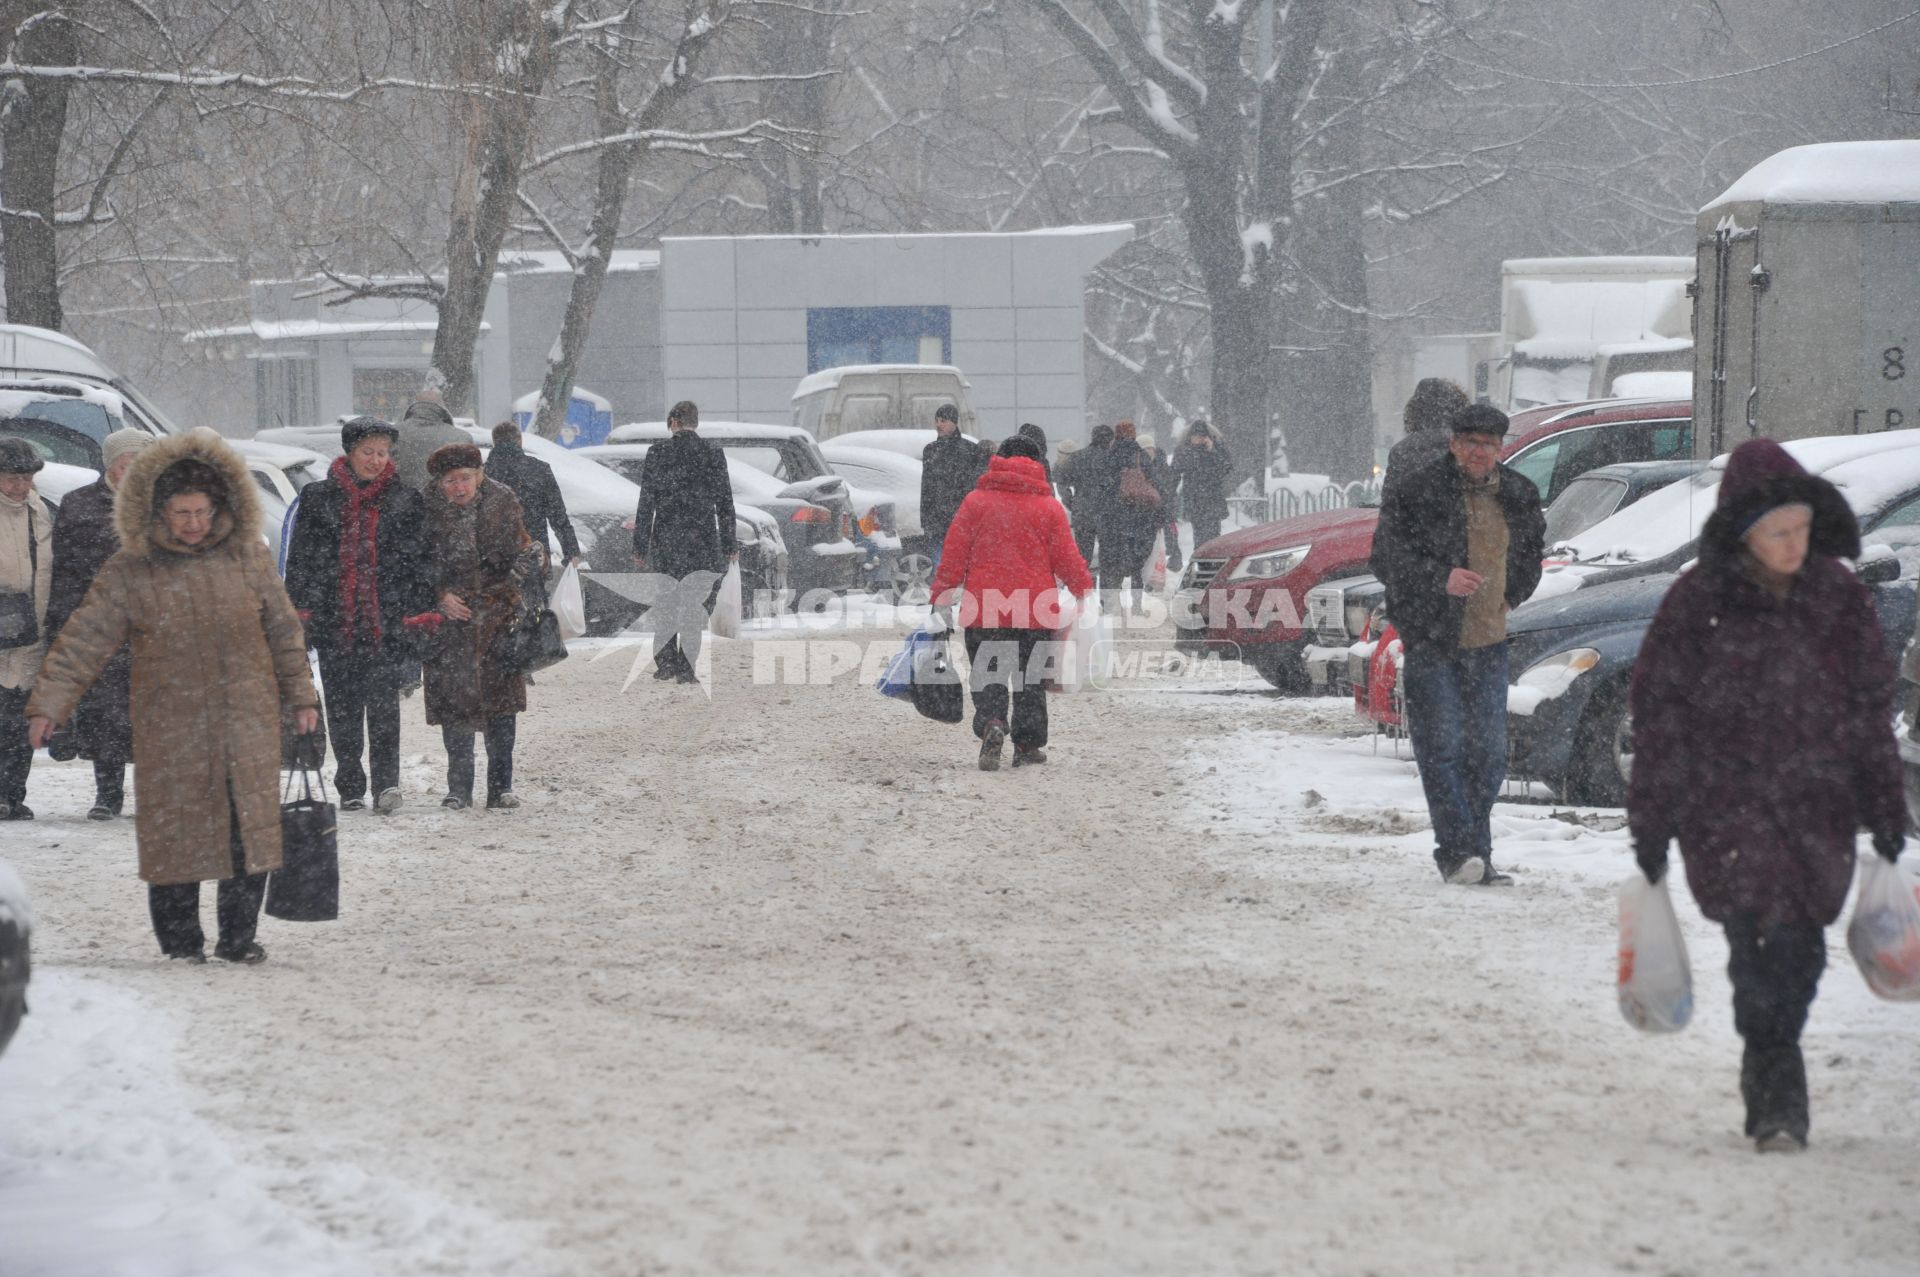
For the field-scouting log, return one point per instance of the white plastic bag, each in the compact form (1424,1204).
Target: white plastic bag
(1157,563)
(568,605)
(1088,639)
(725,621)
(1884,935)
(1656,983)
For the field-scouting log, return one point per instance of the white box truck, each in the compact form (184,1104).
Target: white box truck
(1572,327)
(1808,307)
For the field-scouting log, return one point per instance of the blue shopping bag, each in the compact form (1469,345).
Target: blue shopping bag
(897,679)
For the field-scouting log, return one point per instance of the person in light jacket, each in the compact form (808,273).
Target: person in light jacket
(1762,704)
(26,584)
(217,654)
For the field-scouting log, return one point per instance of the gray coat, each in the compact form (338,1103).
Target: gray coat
(426,428)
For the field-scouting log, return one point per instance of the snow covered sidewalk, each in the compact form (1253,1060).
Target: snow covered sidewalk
(777,982)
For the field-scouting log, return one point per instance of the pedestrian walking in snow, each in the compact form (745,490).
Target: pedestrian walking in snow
(949,467)
(26,584)
(356,569)
(1079,475)
(1458,547)
(1129,496)
(684,524)
(83,540)
(1160,473)
(217,652)
(424,429)
(480,560)
(1428,417)
(1762,707)
(1029,431)
(542,508)
(1007,553)
(1203,467)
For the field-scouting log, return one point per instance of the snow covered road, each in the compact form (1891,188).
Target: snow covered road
(778,982)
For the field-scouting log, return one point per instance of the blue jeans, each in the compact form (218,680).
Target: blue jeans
(1457,717)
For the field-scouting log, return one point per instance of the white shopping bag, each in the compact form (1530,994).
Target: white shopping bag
(1157,563)
(1087,646)
(1884,936)
(568,605)
(725,621)
(1656,982)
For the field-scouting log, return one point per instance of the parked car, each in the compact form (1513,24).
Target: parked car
(1571,654)
(816,552)
(910,569)
(864,397)
(1246,594)
(908,443)
(27,352)
(64,420)
(1602,493)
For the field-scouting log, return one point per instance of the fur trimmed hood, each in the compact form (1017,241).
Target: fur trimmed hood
(135,518)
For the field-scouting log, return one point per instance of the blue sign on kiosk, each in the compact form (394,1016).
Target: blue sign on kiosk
(589,417)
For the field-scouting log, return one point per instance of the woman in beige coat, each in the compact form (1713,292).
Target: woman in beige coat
(26,577)
(217,650)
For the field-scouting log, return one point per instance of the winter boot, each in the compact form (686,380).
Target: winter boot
(991,742)
(1029,757)
(1780,1124)
(1466,871)
(1494,878)
(249,954)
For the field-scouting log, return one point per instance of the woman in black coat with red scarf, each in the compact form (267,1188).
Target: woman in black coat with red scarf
(1762,709)
(356,568)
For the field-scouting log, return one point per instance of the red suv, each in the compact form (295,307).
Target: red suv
(1245,594)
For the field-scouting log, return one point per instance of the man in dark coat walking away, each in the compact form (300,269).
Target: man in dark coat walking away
(1130,512)
(1458,546)
(1079,474)
(357,567)
(1203,467)
(541,505)
(425,429)
(684,523)
(1762,709)
(1427,417)
(83,540)
(949,467)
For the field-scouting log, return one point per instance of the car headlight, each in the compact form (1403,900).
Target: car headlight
(1555,674)
(1267,566)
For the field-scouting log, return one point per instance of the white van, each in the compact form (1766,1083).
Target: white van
(26,352)
(837,401)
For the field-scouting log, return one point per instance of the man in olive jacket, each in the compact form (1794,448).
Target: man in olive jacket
(1458,546)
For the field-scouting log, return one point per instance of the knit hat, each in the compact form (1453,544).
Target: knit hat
(354,430)
(947,412)
(17,456)
(1020,446)
(1479,419)
(1146,440)
(454,456)
(1068,447)
(122,443)
(1125,430)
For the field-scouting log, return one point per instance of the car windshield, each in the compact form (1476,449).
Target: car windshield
(1586,501)
(76,414)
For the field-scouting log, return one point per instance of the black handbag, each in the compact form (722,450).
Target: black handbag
(306,886)
(535,643)
(936,689)
(19,626)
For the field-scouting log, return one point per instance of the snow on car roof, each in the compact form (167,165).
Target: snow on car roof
(1831,173)
(828,378)
(876,458)
(1868,469)
(16,394)
(586,486)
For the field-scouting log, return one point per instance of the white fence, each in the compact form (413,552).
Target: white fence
(1286,502)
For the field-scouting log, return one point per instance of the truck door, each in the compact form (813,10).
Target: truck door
(1729,292)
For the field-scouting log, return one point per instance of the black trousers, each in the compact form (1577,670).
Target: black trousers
(1004,669)
(16,757)
(110,784)
(1121,558)
(459,743)
(176,908)
(1775,969)
(1205,529)
(363,710)
(669,659)
(1085,536)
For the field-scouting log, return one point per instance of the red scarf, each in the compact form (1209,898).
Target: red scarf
(359,561)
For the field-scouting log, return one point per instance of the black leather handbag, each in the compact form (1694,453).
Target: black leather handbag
(306,886)
(535,643)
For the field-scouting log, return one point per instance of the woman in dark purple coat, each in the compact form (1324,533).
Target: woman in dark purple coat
(1762,720)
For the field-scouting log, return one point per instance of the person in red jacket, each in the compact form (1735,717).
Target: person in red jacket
(1009,548)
